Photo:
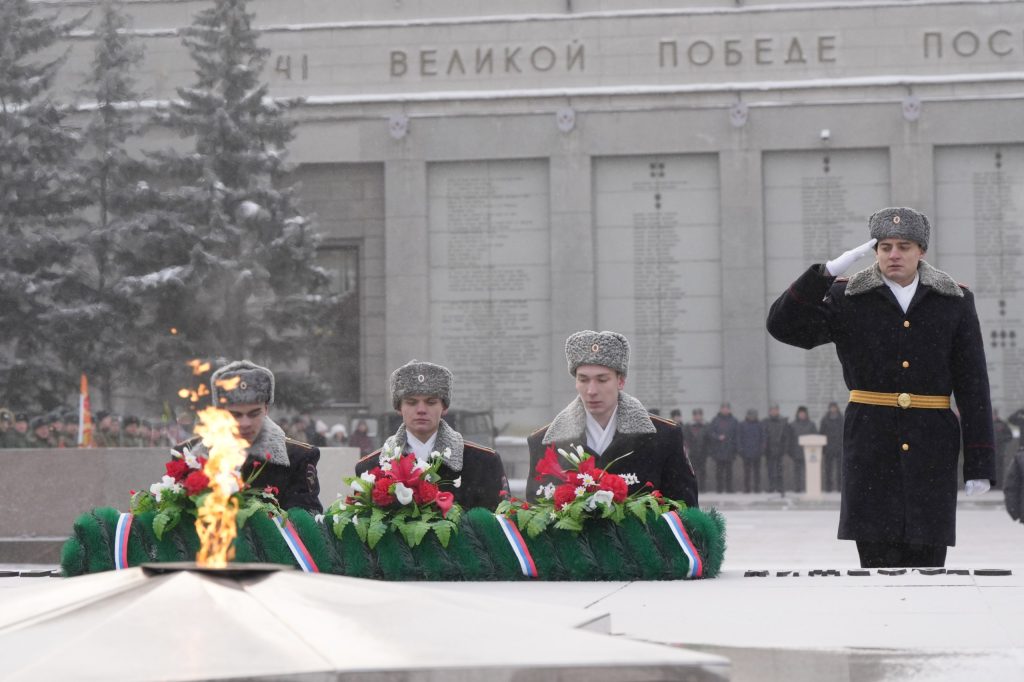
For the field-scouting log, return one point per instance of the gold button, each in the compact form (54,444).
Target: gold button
(906,447)
(903,400)
(905,364)
(906,323)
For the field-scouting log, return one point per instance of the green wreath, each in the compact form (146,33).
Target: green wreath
(479,551)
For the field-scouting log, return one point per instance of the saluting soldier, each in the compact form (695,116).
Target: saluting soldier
(609,423)
(246,390)
(421,393)
(907,336)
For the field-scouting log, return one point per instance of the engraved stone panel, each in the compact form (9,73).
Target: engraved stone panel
(817,205)
(978,231)
(490,286)
(659,274)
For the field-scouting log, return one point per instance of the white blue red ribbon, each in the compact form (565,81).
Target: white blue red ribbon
(674,522)
(519,548)
(296,545)
(124,526)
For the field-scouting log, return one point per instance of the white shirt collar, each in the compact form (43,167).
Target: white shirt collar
(419,448)
(903,294)
(600,437)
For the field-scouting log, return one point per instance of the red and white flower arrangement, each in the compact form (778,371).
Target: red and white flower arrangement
(185,485)
(402,493)
(583,492)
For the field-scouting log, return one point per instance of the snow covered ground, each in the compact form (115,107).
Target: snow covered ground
(879,628)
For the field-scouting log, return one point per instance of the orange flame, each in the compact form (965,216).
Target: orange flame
(215,520)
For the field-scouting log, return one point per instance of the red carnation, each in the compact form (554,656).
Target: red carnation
(549,466)
(657,494)
(381,496)
(424,493)
(444,501)
(617,485)
(196,482)
(273,490)
(564,495)
(177,469)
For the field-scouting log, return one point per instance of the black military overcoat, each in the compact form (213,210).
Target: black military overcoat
(657,457)
(482,476)
(899,465)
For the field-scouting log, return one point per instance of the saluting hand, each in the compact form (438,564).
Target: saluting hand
(838,266)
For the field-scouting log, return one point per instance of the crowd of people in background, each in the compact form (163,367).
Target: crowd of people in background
(59,429)
(767,443)
(762,445)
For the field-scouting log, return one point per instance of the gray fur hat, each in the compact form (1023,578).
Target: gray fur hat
(900,223)
(608,349)
(255,384)
(420,378)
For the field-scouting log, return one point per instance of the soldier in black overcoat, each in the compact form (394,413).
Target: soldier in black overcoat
(421,393)
(907,336)
(246,391)
(612,425)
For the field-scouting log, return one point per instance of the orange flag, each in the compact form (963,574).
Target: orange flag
(84,416)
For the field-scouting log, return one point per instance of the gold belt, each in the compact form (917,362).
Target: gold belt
(904,400)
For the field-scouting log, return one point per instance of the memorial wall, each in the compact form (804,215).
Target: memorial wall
(816,205)
(658,273)
(515,172)
(979,238)
(490,308)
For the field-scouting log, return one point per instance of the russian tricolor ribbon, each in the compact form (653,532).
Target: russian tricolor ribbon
(519,548)
(124,526)
(296,545)
(674,522)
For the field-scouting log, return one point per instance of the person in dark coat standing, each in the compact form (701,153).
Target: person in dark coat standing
(907,336)
(1004,436)
(246,390)
(421,392)
(695,437)
(832,455)
(613,426)
(801,425)
(751,445)
(1013,487)
(723,434)
(777,435)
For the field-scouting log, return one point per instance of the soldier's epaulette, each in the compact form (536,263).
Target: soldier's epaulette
(659,418)
(375,453)
(190,443)
(963,286)
(486,449)
(539,431)
(292,441)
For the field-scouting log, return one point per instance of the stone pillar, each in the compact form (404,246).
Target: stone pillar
(812,444)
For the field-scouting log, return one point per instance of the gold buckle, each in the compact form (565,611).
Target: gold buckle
(903,400)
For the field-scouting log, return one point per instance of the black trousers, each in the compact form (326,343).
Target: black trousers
(751,475)
(900,555)
(775,473)
(723,475)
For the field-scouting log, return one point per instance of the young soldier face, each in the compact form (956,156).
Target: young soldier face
(249,417)
(421,414)
(898,259)
(598,388)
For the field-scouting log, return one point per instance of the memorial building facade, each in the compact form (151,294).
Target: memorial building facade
(490,177)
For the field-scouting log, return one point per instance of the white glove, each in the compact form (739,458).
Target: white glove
(838,266)
(977,486)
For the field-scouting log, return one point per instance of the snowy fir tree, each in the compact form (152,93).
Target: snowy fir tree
(40,191)
(101,334)
(236,276)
